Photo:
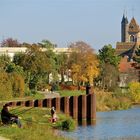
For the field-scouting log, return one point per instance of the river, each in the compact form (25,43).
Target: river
(113,125)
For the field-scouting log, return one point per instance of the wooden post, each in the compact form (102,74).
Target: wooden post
(40,103)
(93,107)
(13,104)
(84,107)
(57,105)
(22,103)
(75,107)
(66,106)
(31,103)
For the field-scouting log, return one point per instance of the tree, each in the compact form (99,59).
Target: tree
(109,73)
(137,56)
(61,64)
(83,63)
(10,42)
(107,54)
(5,86)
(18,85)
(4,61)
(47,44)
(37,64)
(11,67)
(110,76)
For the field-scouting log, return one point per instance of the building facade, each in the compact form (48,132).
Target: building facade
(130,41)
(11,51)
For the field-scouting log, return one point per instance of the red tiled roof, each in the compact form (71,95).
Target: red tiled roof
(124,65)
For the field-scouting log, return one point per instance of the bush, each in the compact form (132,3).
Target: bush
(107,101)
(134,89)
(67,124)
(5,86)
(18,85)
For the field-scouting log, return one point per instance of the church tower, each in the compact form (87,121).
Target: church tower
(134,31)
(124,29)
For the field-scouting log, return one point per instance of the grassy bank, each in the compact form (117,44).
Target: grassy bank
(71,92)
(36,125)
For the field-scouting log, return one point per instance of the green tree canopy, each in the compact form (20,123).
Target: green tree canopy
(107,54)
(4,61)
(109,73)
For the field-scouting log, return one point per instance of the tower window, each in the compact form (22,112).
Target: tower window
(132,38)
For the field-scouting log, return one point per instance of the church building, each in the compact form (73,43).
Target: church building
(130,41)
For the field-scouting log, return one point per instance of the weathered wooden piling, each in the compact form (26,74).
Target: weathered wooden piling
(57,105)
(81,108)
(75,107)
(66,106)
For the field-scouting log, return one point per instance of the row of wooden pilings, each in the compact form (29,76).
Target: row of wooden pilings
(81,108)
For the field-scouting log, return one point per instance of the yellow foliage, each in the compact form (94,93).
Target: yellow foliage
(134,88)
(18,85)
(85,68)
(5,86)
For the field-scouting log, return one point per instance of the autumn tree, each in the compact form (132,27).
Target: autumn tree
(10,42)
(83,63)
(5,86)
(9,73)
(18,85)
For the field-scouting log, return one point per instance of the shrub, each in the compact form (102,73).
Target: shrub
(17,85)
(5,86)
(67,124)
(134,89)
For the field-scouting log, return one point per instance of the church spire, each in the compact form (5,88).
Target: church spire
(124,18)
(124,28)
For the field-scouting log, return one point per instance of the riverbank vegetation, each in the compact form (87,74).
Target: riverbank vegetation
(37,125)
(107,101)
(41,69)
(36,70)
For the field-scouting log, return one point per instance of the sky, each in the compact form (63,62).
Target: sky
(96,22)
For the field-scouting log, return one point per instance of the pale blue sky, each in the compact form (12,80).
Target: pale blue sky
(96,22)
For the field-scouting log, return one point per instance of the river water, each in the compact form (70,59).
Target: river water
(113,125)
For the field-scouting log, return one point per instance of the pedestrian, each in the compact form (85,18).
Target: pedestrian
(53,115)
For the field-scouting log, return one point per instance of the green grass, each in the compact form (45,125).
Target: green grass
(36,125)
(71,92)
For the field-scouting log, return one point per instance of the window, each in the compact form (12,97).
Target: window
(132,38)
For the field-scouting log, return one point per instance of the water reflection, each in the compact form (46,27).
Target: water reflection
(85,123)
(114,125)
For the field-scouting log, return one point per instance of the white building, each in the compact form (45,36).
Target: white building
(10,51)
